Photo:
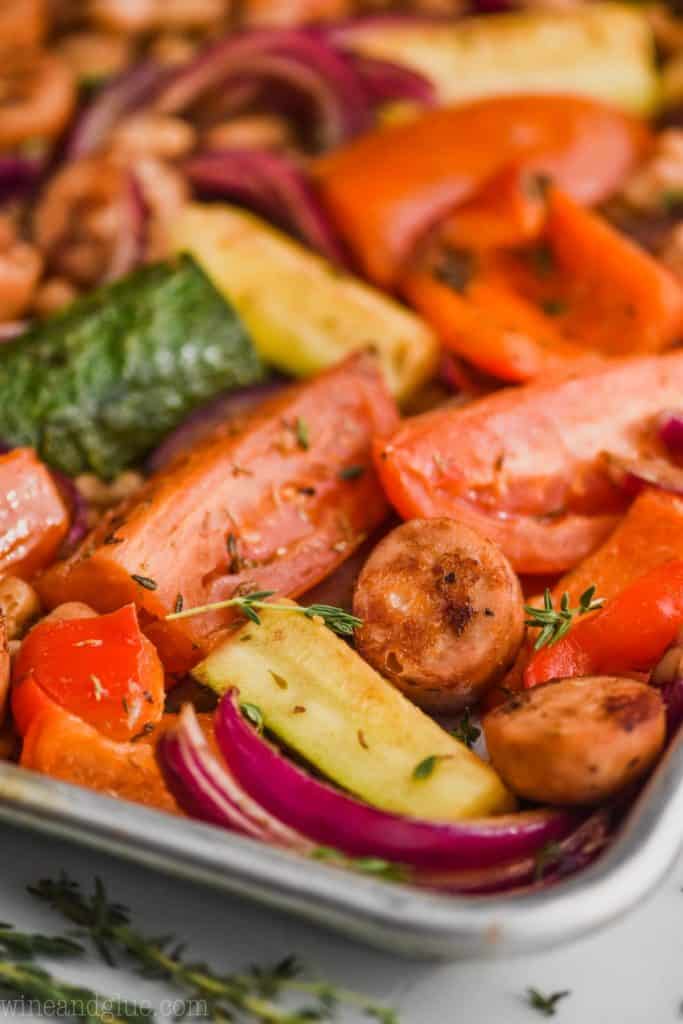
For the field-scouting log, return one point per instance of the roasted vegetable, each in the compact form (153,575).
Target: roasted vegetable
(324,702)
(441,612)
(33,517)
(600,50)
(303,313)
(581,287)
(650,534)
(97,386)
(576,741)
(102,669)
(630,634)
(525,466)
(267,503)
(386,189)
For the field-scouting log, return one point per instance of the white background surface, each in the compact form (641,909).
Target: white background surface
(631,973)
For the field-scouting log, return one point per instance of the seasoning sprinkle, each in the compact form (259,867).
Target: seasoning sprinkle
(98,689)
(426,767)
(303,436)
(351,472)
(144,581)
(178,604)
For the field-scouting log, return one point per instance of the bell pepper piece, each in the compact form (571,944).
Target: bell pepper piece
(629,634)
(387,188)
(102,669)
(33,518)
(264,505)
(524,465)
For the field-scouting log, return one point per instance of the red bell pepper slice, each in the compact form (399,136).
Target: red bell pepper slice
(102,669)
(629,634)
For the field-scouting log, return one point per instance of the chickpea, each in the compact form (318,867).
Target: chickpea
(155,135)
(254,131)
(37,96)
(53,295)
(93,55)
(104,495)
(19,604)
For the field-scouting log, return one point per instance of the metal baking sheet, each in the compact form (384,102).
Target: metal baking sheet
(393,917)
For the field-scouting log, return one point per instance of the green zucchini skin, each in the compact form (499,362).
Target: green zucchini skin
(97,386)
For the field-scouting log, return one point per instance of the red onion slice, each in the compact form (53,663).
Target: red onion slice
(78,507)
(131,239)
(269,184)
(633,475)
(386,82)
(301,61)
(18,174)
(205,788)
(11,329)
(203,421)
(671,431)
(332,818)
(129,91)
(567,856)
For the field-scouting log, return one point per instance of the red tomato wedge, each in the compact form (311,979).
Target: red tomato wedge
(525,466)
(33,517)
(102,669)
(264,505)
(387,188)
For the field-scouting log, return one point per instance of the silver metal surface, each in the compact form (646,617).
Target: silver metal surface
(394,917)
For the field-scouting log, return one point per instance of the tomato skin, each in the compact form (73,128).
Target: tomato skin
(385,189)
(629,634)
(282,505)
(33,517)
(101,669)
(525,466)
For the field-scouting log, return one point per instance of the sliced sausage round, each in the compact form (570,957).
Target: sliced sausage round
(576,741)
(442,612)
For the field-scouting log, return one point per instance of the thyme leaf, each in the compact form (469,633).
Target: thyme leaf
(555,623)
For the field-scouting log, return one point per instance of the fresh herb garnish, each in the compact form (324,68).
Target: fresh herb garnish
(424,768)
(465,730)
(455,269)
(390,871)
(235,562)
(351,472)
(542,259)
(546,1005)
(303,436)
(247,996)
(20,977)
(554,307)
(253,714)
(144,581)
(336,619)
(555,623)
(548,855)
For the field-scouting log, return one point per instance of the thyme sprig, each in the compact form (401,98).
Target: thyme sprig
(244,996)
(546,1005)
(555,623)
(465,730)
(21,978)
(336,619)
(28,981)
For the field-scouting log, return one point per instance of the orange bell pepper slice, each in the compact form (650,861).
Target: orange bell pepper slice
(524,465)
(60,744)
(33,518)
(385,189)
(583,289)
(629,634)
(262,504)
(102,669)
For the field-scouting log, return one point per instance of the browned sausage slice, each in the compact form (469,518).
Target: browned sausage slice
(442,612)
(576,741)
